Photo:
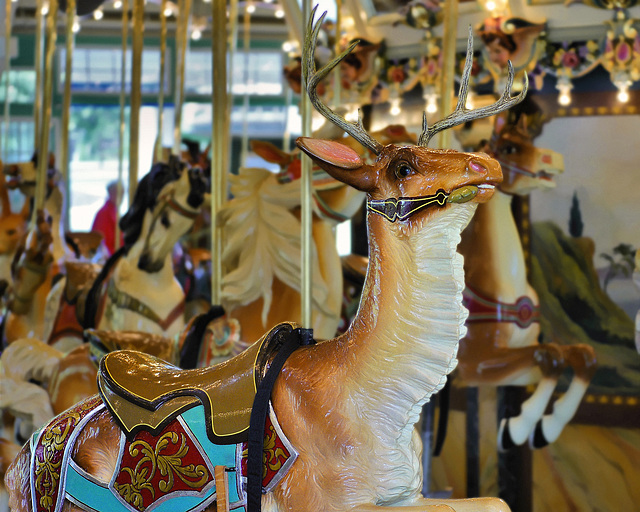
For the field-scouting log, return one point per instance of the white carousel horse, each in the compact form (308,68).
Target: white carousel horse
(136,290)
(340,429)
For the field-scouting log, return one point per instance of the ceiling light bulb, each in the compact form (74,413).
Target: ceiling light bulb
(117,4)
(196,34)
(279,13)
(491,6)
(251,8)
(623,96)
(287,46)
(45,9)
(98,14)
(167,12)
(564,99)
(395,107)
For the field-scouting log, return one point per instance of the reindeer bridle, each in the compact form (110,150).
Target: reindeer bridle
(402,208)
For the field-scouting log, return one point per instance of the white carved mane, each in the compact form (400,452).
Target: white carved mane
(263,241)
(412,347)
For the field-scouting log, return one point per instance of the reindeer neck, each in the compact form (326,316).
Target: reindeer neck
(494,259)
(405,335)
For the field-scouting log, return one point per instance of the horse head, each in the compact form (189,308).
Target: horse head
(31,264)
(525,166)
(13,226)
(164,207)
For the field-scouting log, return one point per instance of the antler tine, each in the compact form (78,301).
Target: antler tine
(312,78)
(461,115)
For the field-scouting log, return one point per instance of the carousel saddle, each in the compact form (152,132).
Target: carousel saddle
(144,392)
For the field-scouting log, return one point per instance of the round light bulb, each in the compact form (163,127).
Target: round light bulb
(432,106)
(491,6)
(167,12)
(623,96)
(76,27)
(564,99)
(98,15)
(251,8)
(117,4)
(287,46)
(196,34)
(279,13)
(45,9)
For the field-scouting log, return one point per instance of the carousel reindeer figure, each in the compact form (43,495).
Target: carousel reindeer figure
(340,421)
(501,346)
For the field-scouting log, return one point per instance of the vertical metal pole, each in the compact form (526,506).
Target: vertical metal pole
(163,52)
(182,39)
(43,150)
(7,67)
(337,81)
(305,184)
(66,101)
(136,94)
(218,140)
(37,104)
(448,66)
(121,138)
(246,45)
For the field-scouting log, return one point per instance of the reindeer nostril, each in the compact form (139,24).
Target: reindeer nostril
(477,167)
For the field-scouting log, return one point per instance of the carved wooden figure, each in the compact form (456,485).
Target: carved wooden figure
(136,289)
(340,428)
(13,227)
(501,346)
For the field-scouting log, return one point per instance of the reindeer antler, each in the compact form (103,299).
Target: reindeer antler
(311,78)
(461,115)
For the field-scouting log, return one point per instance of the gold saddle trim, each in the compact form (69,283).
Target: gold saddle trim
(145,392)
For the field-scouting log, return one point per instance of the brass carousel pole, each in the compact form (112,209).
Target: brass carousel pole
(218,140)
(163,51)
(43,150)
(123,97)
(37,104)
(246,44)
(182,39)
(305,184)
(136,94)
(337,81)
(66,101)
(448,66)
(7,66)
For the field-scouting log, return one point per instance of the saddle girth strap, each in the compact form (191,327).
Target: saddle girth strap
(259,411)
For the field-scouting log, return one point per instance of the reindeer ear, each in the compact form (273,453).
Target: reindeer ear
(340,161)
(270,152)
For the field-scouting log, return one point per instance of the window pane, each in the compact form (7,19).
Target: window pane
(22,86)
(98,69)
(264,73)
(19,146)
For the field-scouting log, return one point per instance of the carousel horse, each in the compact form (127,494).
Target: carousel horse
(31,278)
(27,319)
(136,290)
(501,346)
(337,416)
(13,226)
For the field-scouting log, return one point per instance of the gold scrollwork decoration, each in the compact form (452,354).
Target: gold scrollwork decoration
(47,471)
(169,465)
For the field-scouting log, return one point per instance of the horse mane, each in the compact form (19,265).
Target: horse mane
(263,241)
(145,199)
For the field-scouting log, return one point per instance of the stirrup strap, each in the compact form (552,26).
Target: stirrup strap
(255,443)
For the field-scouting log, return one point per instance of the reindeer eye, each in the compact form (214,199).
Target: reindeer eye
(403,170)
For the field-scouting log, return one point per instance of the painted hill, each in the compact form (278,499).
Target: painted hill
(576,310)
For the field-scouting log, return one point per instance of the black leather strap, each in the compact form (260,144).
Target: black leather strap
(255,443)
